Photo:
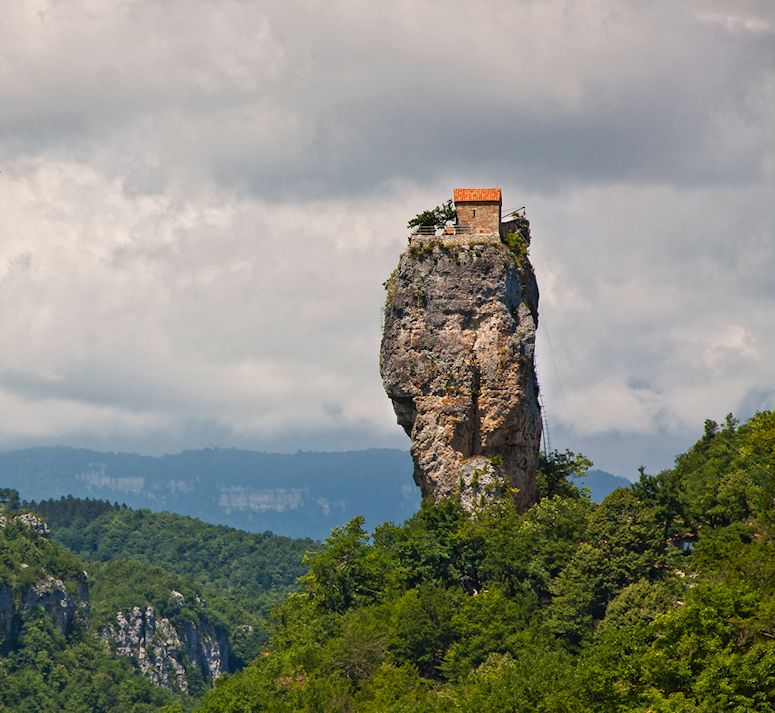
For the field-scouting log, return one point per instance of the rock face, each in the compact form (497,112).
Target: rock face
(64,599)
(62,607)
(457,361)
(165,653)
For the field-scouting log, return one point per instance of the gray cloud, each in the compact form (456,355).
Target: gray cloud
(315,98)
(199,202)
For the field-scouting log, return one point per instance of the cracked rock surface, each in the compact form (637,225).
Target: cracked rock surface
(457,361)
(166,653)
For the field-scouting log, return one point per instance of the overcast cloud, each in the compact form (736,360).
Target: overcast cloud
(199,202)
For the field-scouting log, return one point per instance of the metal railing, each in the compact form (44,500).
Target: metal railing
(444,230)
(508,215)
(463,229)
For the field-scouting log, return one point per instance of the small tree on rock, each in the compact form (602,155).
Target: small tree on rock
(435,218)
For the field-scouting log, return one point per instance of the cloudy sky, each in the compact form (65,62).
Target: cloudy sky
(199,202)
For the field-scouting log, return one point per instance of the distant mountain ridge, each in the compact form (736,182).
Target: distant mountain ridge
(302,494)
(600,483)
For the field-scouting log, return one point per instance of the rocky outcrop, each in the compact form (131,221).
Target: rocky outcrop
(64,598)
(63,607)
(30,520)
(167,653)
(457,361)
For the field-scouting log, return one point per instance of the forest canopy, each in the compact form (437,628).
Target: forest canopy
(658,599)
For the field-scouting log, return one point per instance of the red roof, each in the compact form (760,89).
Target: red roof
(477,195)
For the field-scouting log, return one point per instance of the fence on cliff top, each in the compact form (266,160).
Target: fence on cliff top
(446,230)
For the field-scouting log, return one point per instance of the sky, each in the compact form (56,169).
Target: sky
(199,202)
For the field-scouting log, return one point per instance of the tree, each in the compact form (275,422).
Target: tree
(344,573)
(556,472)
(434,218)
(9,499)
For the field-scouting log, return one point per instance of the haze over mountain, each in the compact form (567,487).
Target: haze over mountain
(302,494)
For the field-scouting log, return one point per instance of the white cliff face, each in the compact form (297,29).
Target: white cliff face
(154,646)
(166,654)
(457,361)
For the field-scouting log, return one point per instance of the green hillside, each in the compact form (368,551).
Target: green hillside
(50,657)
(166,595)
(220,555)
(658,599)
(240,574)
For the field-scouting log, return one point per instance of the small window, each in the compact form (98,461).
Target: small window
(474,215)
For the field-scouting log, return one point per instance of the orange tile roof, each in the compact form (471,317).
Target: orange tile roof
(477,195)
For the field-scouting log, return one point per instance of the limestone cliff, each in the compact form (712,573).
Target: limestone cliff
(167,653)
(457,361)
